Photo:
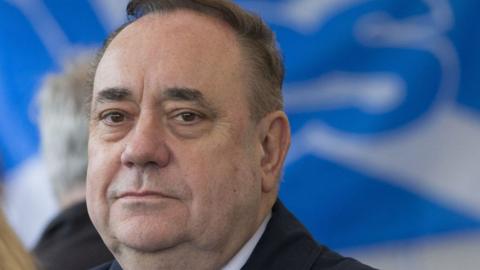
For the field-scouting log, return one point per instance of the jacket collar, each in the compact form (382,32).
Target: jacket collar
(284,244)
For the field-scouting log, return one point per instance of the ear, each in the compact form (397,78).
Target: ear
(275,141)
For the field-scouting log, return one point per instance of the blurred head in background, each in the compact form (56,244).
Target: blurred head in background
(70,241)
(64,128)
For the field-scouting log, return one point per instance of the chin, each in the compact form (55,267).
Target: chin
(146,235)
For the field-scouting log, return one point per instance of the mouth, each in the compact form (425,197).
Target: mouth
(145,194)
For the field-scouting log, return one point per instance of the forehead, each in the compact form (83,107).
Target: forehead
(176,49)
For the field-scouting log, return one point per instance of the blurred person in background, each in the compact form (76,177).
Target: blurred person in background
(70,241)
(13,256)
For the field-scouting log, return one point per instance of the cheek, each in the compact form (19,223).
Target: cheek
(217,182)
(94,191)
(224,194)
(102,166)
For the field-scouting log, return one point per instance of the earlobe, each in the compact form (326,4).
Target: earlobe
(275,141)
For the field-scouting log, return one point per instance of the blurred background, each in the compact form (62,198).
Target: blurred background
(384,103)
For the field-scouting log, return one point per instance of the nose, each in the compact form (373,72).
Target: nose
(146,145)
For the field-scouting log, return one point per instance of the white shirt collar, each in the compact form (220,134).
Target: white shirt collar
(239,260)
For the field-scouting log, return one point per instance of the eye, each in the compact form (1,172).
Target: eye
(113,118)
(187,117)
(189,123)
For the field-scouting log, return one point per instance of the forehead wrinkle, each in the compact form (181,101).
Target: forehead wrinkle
(178,32)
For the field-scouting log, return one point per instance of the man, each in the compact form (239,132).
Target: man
(70,241)
(187,143)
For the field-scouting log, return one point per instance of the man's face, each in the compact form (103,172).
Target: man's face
(174,158)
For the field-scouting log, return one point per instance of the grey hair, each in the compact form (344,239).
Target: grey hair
(63,124)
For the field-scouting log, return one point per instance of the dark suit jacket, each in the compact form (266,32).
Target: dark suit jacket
(286,244)
(71,242)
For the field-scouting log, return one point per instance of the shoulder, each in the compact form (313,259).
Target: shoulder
(286,244)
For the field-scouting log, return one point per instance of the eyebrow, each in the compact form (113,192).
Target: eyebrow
(113,94)
(171,93)
(184,94)
(189,95)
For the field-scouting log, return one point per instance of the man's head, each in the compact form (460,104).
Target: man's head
(180,163)
(63,125)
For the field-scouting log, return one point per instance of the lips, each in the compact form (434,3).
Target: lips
(141,194)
